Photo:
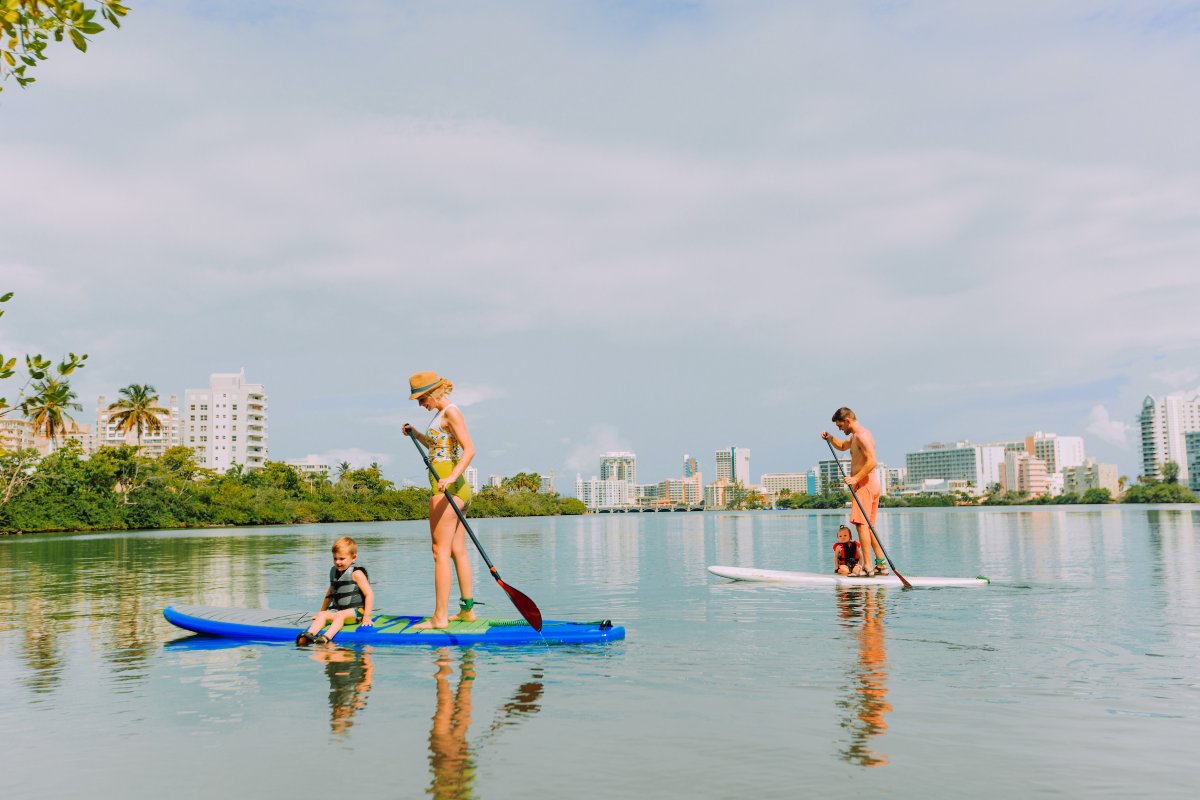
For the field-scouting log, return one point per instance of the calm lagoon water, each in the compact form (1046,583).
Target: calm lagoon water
(1076,674)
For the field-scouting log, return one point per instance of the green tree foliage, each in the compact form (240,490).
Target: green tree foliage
(46,396)
(28,26)
(523,482)
(1158,492)
(1170,472)
(116,488)
(837,499)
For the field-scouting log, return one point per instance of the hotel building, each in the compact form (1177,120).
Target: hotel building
(226,424)
(1059,452)
(775,482)
(1090,475)
(1165,423)
(597,493)
(621,466)
(1024,474)
(733,465)
(16,434)
(977,465)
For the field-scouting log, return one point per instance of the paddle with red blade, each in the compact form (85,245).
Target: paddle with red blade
(863,511)
(527,607)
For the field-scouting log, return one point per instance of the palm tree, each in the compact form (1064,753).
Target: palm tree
(138,409)
(48,406)
(342,469)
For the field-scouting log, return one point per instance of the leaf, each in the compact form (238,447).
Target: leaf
(12,62)
(77,38)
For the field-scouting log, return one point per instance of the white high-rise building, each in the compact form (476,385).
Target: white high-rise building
(154,444)
(977,465)
(1059,452)
(618,465)
(1165,423)
(775,482)
(473,479)
(598,493)
(733,465)
(226,424)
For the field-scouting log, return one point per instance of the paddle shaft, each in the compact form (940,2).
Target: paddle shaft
(524,604)
(863,511)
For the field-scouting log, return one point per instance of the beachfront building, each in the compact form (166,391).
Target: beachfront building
(473,479)
(1021,473)
(773,483)
(154,443)
(312,467)
(600,493)
(690,466)
(546,485)
(733,465)
(1090,475)
(688,491)
(891,479)
(977,465)
(1191,447)
(83,435)
(495,481)
(16,434)
(716,494)
(831,474)
(618,465)
(226,423)
(1165,423)
(1059,452)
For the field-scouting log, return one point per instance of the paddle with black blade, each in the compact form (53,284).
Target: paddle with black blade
(863,511)
(527,607)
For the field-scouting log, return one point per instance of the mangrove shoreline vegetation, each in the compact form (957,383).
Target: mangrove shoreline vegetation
(116,489)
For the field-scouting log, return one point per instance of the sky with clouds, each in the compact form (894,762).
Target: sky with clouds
(666,226)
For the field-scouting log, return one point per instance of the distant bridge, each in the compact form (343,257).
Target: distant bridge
(645,509)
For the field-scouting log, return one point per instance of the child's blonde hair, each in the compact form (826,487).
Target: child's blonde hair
(345,544)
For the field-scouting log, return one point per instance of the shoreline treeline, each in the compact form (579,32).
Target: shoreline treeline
(116,489)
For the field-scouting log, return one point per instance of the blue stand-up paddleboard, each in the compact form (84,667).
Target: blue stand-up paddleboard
(272,625)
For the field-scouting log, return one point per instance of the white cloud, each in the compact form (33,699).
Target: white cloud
(584,457)
(1101,425)
(1177,377)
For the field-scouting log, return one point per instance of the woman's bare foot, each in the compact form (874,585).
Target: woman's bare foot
(464,616)
(431,624)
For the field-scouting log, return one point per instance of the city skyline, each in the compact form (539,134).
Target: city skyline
(597,262)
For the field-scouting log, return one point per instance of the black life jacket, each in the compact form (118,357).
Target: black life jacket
(849,552)
(343,591)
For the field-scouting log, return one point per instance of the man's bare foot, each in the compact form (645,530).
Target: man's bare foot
(431,625)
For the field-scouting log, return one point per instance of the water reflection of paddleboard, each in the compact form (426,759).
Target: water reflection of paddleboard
(272,625)
(830,579)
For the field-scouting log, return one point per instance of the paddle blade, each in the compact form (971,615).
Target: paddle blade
(527,607)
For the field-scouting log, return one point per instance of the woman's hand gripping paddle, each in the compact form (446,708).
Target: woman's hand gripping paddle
(863,511)
(527,607)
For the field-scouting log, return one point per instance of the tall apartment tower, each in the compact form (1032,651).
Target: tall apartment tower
(226,424)
(153,444)
(1058,452)
(1165,423)
(690,466)
(733,464)
(621,466)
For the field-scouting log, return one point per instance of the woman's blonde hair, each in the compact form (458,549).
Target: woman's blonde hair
(446,387)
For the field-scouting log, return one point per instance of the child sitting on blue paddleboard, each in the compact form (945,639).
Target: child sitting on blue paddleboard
(845,554)
(348,599)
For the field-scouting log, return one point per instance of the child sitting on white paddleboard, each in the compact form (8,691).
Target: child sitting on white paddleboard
(348,599)
(845,554)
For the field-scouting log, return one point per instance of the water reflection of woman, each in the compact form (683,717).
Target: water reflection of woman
(862,607)
(451,756)
(349,673)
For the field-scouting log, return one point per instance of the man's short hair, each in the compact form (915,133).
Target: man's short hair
(843,414)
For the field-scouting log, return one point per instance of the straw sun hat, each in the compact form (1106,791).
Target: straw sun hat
(424,382)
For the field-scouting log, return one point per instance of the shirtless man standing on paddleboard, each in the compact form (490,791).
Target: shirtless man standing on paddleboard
(863,482)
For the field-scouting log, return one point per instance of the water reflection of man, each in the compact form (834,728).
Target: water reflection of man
(451,756)
(862,607)
(349,673)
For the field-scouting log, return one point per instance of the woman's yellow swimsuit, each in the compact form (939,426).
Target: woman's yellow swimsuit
(444,453)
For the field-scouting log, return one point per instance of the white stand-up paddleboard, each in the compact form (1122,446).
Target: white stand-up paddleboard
(830,579)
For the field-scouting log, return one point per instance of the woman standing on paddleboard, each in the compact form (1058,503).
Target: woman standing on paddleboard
(450,453)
